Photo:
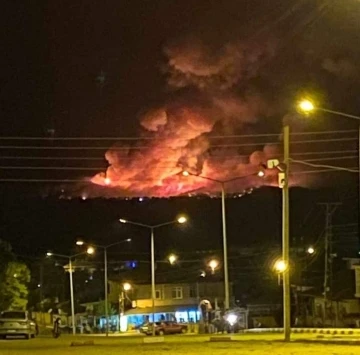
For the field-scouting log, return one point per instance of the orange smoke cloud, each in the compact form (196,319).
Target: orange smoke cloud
(178,135)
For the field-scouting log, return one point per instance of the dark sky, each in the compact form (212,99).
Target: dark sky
(91,68)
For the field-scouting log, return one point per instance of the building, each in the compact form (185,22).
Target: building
(174,301)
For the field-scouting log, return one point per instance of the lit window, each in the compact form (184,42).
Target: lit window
(158,294)
(177,293)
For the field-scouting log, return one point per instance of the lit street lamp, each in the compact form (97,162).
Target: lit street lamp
(213,264)
(89,251)
(152,228)
(310,250)
(307,107)
(172,259)
(222,183)
(280,266)
(127,286)
(105,248)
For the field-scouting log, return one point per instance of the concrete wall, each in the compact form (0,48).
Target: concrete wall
(190,292)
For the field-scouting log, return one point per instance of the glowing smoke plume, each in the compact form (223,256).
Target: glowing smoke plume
(213,99)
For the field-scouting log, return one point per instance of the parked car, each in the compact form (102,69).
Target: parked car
(144,328)
(162,328)
(15,323)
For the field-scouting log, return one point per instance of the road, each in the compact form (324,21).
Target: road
(179,345)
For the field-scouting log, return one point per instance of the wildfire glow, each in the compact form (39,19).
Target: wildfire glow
(175,137)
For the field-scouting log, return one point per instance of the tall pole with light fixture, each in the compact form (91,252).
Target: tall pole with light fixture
(72,297)
(152,228)
(153,291)
(106,291)
(222,184)
(226,268)
(105,247)
(307,106)
(286,236)
(89,251)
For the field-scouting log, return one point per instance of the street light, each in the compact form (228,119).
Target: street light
(181,220)
(127,286)
(222,183)
(172,259)
(70,258)
(310,250)
(280,266)
(307,107)
(91,250)
(213,264)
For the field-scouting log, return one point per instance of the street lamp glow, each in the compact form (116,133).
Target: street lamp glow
(121,220)
(49,254)
(306,106)
(128,240)
(90,250)
(182,219)
(261,173)
(280,266)
(172,259)
(213,264)
(80,242)
(185,173)
(311,250)
(126,286)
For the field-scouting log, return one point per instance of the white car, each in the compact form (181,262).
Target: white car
(17,323)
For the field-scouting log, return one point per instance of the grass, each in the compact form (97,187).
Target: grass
(179,345)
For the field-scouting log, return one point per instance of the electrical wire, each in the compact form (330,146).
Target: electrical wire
(236,145)
(338,168)
(222,156)
(27,138)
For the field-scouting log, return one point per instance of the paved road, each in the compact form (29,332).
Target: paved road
(179,345)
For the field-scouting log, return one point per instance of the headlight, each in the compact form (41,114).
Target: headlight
(232,319)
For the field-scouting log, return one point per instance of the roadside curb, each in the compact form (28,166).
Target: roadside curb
(328,342)
(325,331)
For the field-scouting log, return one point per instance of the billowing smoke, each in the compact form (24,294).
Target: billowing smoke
(342,68)
(213,98)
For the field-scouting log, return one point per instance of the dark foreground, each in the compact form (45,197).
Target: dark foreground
(180,345)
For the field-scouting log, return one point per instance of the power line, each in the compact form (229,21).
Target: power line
(13,167)
(86,138)
(312,141)
(316,171)
(324,166)
(222,156)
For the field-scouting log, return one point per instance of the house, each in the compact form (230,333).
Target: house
(174,301)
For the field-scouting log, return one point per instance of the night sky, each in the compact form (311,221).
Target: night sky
(98,69)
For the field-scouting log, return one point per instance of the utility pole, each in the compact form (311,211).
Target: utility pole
(41,284)
(286,235)
(330,208)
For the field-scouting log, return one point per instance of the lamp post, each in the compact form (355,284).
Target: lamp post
(89,251)
(152,228)
(286,234)
(105,248)
(125,287)
(307,107)
(222,184)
